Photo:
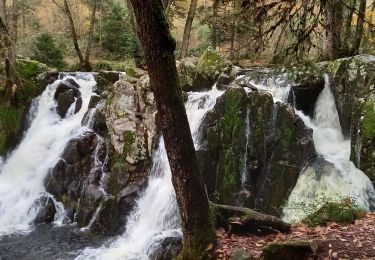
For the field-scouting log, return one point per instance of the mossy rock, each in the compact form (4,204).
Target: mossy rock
(240,254)
(332,212)
(294,249)
(212,64)
(30,68)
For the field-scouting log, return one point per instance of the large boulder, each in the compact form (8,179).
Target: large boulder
(191,78)
(212,64)
(66,94)
(254,151)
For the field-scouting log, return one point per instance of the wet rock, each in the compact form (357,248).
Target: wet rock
(108,217)
(66,179)
(94,100)
(96,121)
(254,150)
(88,203)
(66,94)
(47,211)
(167,249)
(224,80)
(306,93)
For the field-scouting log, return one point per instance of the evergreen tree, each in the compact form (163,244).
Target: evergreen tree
(46,51)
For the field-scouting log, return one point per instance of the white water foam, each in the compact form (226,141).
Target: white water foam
(23,173)
(337,178)
(156,215)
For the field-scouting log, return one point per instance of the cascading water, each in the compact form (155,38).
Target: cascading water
(156,216)
(23,173)
(335,177)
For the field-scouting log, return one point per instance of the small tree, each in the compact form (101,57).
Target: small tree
(117,36)
(46,51)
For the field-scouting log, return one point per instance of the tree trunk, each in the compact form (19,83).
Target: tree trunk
(359,28)
(91,37)
(248,219)
(3,10)
(11,75)
(333,26)
(214,35)
(159,47)
(74,34)
(187,30)
(348,25)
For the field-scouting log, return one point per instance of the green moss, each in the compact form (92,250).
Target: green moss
(231,129)
(129,138)
(294,249)
(332,212)
(30,68)
(211,62)
(369,119)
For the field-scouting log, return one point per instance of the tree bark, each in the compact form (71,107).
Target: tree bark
(359,28)
(214,36)
(248,219)
(348,24)
(90,37)
(187,30)
(159,47)
(73,33)
(333,26)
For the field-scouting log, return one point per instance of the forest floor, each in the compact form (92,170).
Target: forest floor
(355,241)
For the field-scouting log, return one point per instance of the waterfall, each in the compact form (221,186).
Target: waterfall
(23,172)
(333,177)
(156,215)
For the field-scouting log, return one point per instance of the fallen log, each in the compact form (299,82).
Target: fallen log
(240,220)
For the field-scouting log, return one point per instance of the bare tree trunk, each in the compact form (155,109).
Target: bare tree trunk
(187,30)
(359,28)
(73,33)
(91,36)
(348,24)
(11,75)
(159,47)
(3,11)
(333,26)
(214,36)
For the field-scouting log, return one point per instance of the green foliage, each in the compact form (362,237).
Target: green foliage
(117,37)
(30,68)
(46,51)
(369,119)
(343,212)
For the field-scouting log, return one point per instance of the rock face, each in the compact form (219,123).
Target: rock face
(101,172)
(255,150)
(353,84)
(66,94)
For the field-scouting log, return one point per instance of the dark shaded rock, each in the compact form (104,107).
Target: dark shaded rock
(78,105)
(89,201)
(306,93)
(66,94)
(167,249)
(66,180)
(224,80)
(108,217)
(96,121)
(254,150)
(94,100)
(64,101)
(47,211)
